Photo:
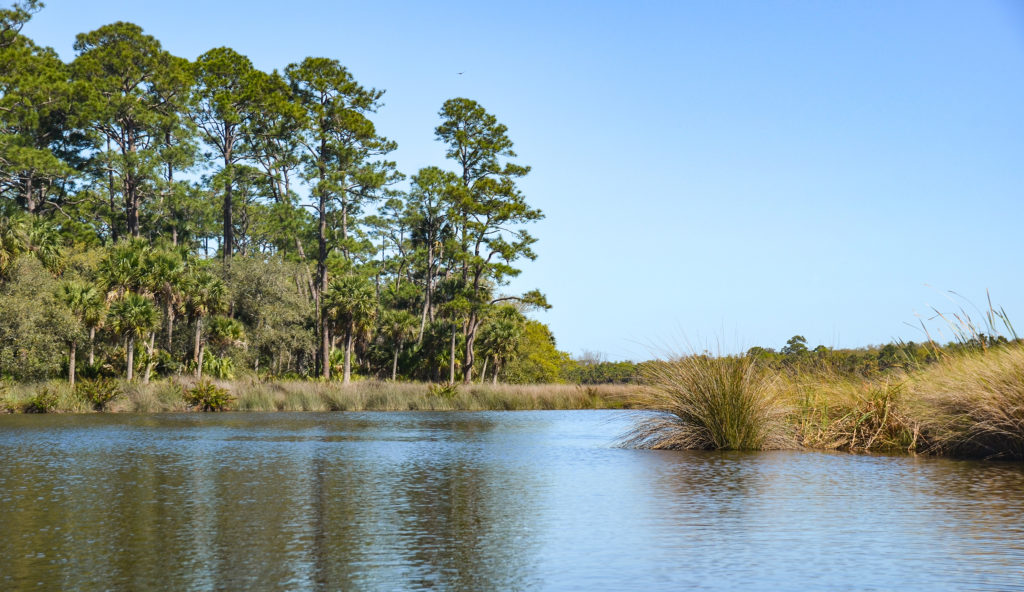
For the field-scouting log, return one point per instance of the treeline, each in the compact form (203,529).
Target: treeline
(796,356)
(161,216)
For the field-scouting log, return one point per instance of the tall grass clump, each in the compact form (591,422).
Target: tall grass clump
(835,412)
(972,404)
(710,403)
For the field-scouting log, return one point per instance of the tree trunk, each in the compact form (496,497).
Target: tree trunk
(169,312)
(92,345)
(130,350)
(197,348)
(199,366)
(471,327)
(348,354)
(483,371)
(451,358)
(111,193)
(426,291)
(229,228)
(497,370)
(71,364)
(325,343)
(394,363)
(151,362)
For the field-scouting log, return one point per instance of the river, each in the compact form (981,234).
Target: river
(480,501)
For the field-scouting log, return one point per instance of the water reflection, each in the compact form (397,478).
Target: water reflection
(479,501)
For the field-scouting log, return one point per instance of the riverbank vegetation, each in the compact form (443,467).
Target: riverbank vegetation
(165,221)
(187,394)
(162,217)
(965,399)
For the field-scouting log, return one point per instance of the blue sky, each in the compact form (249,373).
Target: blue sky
(725,172)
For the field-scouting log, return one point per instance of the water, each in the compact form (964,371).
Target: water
(479,501)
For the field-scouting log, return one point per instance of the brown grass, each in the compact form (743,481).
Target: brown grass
(298,395)
(833,412)
(725,403)
(973,404)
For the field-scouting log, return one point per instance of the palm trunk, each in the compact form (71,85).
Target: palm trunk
(471,326)
(92,345)
(394,363)
(169,312)
(130,350)
(497,370)
(483,371)
(348,354)
(71,364)
(151,362)
(197,348)
(199,366)
(451,358)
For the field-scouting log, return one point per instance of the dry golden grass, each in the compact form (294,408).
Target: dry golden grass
(298,395)
(973,404)
(834,412)
(726,403)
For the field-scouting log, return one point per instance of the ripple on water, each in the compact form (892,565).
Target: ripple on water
(515,500)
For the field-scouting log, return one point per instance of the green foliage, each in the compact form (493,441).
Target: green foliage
(34,326)
(219,367)
(538,359)
(206,396)
(43,401)
(443,390)
(102,184)
(98,392)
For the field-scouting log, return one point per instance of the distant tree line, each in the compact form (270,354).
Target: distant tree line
(162,216)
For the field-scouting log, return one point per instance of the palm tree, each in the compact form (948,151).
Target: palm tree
(397,326)
(94,315)
(132,316)
(205,294)
(123,268)
(225,332)
(80,298)
(352,302)
(502,336)
(165,272)
(24,233)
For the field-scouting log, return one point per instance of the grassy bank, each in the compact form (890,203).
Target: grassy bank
(298,395)
(968,404)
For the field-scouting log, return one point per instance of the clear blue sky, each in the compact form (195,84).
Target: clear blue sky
(733,172)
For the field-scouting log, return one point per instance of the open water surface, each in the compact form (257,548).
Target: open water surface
(479,501)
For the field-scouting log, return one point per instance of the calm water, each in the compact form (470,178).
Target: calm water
(479,501)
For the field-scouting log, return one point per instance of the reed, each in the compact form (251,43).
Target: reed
(709,403)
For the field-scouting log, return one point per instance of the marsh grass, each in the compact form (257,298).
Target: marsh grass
(835,412)
(710,403)
(407,396)
(973,404)
(163,396)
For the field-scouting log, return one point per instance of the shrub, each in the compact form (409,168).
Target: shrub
(44,401)
(98,392)
(443,390)
(709,403)
(207,396)
(219,367)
